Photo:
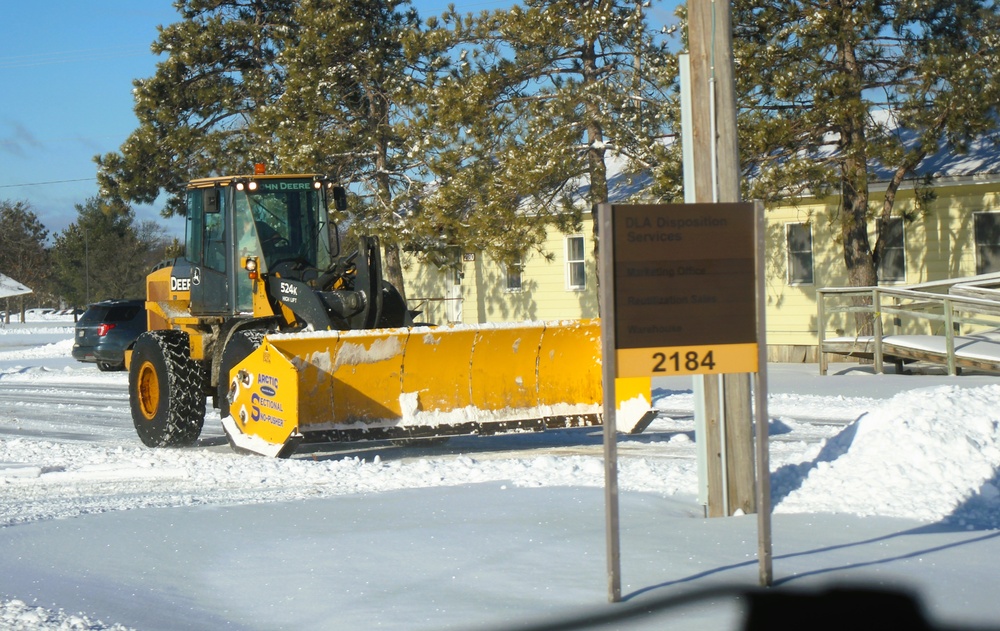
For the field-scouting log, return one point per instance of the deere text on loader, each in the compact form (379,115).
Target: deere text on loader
(293,339)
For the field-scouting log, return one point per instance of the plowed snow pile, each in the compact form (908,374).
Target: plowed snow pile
(925,454)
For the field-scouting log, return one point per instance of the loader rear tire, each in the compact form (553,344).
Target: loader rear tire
(240,345)
(165,390)
(394,312)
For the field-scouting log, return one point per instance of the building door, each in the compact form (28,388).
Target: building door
(453,294)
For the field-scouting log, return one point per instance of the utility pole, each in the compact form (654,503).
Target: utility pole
(717,179)
(86,263)
(716,171)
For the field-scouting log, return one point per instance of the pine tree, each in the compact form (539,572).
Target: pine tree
(105,254)
(344,107)
(825,85)
(303,87)
(196,113)
(521,123)
(23,252)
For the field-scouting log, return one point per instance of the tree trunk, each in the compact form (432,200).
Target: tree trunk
(392,265)
(857,248)
(854,189)
(595,133)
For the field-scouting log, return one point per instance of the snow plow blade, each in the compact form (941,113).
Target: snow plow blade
(337,386)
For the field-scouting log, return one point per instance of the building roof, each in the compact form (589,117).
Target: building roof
(10,287)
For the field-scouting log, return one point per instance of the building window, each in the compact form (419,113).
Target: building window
(987,236)
(798,237)
(576,263)
(514,276)
(892,266)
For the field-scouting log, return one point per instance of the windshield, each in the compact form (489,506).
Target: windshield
(283,220)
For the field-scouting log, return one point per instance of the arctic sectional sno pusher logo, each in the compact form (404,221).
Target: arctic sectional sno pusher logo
(268,386)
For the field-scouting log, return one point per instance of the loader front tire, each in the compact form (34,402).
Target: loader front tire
(165,390)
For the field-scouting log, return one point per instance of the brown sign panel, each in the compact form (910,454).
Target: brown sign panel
(684,275)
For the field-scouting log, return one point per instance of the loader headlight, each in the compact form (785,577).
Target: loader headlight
(250,265)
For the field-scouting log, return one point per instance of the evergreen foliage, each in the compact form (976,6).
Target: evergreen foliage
(828,86)
(23,253)
(447,132)
(197,113)
(105,254)
(477,131)
(520,124)
(344,108)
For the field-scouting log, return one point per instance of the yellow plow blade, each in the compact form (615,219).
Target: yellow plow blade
(421,382)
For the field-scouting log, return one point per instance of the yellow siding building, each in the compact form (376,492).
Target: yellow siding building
(958,235)
(560,283)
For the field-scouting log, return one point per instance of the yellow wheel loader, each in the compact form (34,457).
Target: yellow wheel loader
(293,340)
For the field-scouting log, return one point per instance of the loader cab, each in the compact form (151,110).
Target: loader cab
(283,221)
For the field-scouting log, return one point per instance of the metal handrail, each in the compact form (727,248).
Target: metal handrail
(952,308)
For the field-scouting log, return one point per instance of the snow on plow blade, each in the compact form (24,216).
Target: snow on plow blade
(422,382)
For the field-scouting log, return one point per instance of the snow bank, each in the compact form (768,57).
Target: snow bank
(16,615)
(56,349)
(930,454)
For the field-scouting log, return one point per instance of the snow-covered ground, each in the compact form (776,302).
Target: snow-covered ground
(887,481)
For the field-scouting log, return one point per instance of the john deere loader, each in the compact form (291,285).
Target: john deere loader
(294,340)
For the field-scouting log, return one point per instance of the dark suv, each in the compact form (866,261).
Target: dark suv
(106,330)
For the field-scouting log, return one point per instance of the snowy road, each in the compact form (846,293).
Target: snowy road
(55,412)
(64,410)
(69,447)
(907,451)
(50,400)
(44,393)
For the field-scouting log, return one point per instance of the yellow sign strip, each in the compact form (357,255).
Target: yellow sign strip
(687,360)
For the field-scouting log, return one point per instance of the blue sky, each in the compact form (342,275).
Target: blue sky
(66,67)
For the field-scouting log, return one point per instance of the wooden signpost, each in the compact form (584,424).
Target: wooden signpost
(683,292)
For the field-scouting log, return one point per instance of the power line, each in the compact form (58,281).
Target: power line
(83,179)
(71,56)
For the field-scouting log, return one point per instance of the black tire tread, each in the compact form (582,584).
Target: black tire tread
(242,343)
(181,421)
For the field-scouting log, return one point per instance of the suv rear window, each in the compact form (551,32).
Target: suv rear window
(116,313)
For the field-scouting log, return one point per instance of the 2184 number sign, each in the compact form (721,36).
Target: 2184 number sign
(690,361)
